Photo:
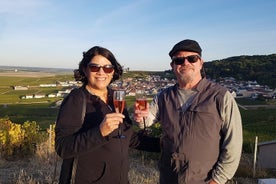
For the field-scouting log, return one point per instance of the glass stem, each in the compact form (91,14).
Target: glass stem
(144,121)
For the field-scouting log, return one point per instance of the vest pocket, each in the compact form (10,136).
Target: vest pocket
(199,171)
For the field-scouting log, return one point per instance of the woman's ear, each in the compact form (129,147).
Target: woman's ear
(171,64)
(84,70)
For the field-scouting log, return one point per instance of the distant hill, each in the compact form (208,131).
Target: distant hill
(34,69)
(260,68)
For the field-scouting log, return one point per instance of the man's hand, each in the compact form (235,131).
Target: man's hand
(140,114)
(212,182)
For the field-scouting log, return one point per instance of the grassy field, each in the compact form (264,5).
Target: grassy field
(20,110)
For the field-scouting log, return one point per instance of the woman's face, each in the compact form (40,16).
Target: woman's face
(99,80)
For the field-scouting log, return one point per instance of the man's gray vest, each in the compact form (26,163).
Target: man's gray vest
(190,140)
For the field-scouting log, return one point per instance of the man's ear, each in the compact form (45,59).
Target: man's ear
(202,62)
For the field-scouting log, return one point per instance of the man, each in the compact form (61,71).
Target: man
(201,124)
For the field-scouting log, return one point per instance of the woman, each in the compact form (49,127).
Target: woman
(89,143)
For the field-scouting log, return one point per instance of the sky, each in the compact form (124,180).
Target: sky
(140,33)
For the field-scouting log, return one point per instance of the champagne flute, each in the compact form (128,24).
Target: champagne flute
(119,101)
(141,99)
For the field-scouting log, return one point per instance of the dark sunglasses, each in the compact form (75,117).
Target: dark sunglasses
(96,68)
(181,60)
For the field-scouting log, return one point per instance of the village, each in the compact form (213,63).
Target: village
(152,84)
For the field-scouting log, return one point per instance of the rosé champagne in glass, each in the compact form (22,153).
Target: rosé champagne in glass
(141,99)
(119,100)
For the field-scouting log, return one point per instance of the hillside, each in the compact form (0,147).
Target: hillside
(260,68)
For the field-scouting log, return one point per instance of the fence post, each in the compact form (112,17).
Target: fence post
(255,156)
(50,138)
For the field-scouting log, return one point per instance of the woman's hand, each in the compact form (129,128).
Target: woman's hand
(110,123)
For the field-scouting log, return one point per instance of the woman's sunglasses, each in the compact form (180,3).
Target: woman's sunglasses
(181,60)
(96,68)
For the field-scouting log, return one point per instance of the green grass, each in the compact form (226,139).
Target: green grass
(260,122)
(248,101)
(24,81)
(43,114)
(10,96)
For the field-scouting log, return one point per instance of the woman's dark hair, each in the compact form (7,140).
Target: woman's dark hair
(87,56)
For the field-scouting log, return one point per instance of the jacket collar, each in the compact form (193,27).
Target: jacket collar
(199,87)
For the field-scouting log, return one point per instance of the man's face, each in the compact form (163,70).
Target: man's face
(187,71)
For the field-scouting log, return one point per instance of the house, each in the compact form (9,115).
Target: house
(266,155)
(47,85)
(39,96)
(28,96)
(20,88)
(51,95)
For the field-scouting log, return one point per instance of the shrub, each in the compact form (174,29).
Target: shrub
(18,140)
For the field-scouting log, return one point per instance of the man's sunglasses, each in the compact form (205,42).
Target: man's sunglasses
(181,60)
(96,68)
